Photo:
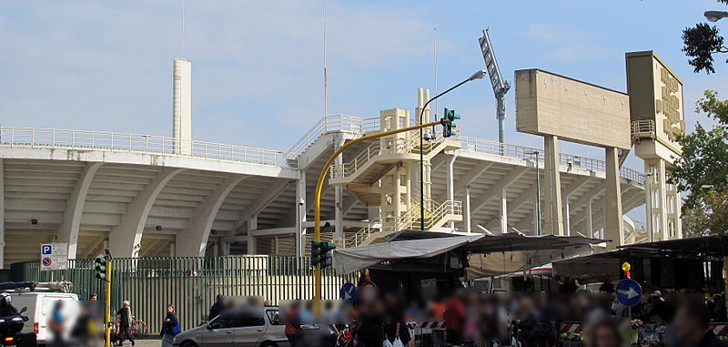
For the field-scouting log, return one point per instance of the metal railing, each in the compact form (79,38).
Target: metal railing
(326,125)
(136,143)
(525,153)
(192,284)
(643,129)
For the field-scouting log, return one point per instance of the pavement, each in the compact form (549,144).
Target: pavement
(145,343)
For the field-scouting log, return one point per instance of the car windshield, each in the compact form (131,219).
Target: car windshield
(274,317)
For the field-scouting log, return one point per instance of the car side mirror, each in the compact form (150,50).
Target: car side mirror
(24,309)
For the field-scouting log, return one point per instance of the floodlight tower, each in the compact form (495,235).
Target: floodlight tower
(500,87)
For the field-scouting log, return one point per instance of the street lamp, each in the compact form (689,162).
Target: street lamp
(538,192)
(715,16)
(480,74)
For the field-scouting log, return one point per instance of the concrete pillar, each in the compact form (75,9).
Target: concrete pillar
(613,226)
(678,213)
(468,223)
(182,107)
(504,210)
(226,248)
(553,211)
(662,191)
(252,226)
(338,197)
(300,213)
(649,178)
(451,183)
(69,229)
(567,217)
(192,242)
(125,239)
(589,219)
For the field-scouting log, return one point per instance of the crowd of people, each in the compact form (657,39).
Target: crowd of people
(468,318)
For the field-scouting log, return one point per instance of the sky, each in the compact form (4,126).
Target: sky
(258,64)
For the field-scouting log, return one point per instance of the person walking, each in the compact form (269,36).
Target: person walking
(216,308)
(57,325)
(170,327)
(293,324)
(124,323)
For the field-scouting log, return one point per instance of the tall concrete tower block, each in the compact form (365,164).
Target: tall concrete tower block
(182,106)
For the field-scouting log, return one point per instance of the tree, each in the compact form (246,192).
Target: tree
(702,170)
(701,43)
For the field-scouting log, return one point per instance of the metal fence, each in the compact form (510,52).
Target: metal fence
(191,284)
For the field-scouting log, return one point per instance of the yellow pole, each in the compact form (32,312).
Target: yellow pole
(107,321)
(319,189)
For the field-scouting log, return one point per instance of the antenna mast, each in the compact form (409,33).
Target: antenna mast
(326,78)
(183,28)
(500,87)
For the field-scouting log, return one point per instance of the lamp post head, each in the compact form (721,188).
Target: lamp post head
(715,16)
(478,75)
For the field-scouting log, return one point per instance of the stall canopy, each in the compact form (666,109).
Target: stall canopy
(599,266)
(530,251)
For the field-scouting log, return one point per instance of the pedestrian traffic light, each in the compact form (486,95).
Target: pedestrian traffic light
(101,265)
(448,123)
(320,253)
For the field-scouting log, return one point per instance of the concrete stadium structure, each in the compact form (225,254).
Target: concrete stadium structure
(139,196)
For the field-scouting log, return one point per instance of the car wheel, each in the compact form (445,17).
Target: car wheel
(269,344)
(189,344)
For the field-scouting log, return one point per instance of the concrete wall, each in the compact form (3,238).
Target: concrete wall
(549,104)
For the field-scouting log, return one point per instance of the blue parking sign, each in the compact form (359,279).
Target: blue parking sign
(46,249)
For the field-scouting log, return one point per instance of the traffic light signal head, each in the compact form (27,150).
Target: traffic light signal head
(101,265)
(448,123)
(320,253)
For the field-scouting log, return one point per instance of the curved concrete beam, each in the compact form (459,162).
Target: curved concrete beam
(126,238)
(68,231)
(192,242)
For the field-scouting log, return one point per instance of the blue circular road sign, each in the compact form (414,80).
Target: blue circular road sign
(628,292)
(347,293)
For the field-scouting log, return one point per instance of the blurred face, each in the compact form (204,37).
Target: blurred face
(170,309)
(687,327)
(605,337)
(93,298)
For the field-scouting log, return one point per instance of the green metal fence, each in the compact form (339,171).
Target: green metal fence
(191,284)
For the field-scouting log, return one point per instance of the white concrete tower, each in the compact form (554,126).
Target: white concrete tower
(182,106)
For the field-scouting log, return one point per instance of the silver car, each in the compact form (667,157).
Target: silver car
(249,327)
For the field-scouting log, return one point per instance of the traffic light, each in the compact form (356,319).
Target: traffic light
(321,253)
(448,123)
(101,265)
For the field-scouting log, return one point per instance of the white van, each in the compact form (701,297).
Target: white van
(40,307)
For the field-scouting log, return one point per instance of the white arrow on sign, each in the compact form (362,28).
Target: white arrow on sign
(631,293)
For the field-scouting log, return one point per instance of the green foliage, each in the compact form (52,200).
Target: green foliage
(701,43)
(702,170)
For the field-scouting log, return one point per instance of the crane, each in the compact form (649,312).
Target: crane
(500,87)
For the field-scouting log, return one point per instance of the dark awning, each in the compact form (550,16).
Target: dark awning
(413,244)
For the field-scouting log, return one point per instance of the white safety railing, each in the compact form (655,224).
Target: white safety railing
(327,125)
(643,129)
(408,144)
(125,142)
(527,153)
